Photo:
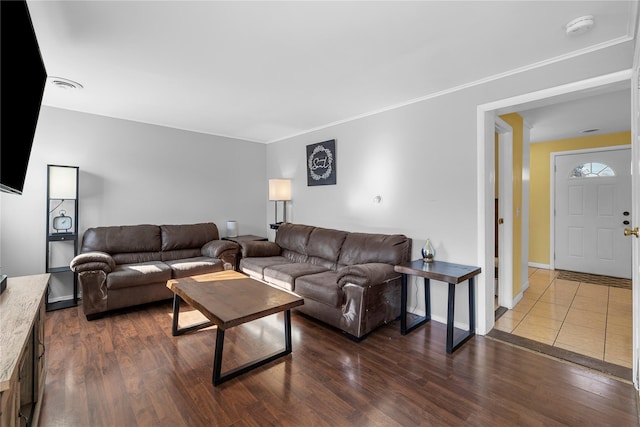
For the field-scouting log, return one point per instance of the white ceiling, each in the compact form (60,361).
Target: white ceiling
(599,114)
(266,70)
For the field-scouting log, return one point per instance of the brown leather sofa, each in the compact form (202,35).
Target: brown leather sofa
(123,266)
(347,279)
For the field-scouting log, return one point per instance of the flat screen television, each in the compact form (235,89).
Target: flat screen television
(22,80)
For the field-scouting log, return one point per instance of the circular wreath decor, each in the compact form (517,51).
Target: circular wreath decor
(327,173)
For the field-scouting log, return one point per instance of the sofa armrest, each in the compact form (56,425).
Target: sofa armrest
(218,248)
(252,248)
(366,274)
(92,261)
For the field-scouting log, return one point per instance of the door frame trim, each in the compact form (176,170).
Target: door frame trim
(552,191)
(505,207)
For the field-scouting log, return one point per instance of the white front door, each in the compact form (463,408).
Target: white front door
(592,208)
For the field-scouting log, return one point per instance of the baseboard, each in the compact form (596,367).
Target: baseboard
(536,265)
(517,298)
(440,319)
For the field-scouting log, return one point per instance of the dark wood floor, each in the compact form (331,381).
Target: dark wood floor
(127,370)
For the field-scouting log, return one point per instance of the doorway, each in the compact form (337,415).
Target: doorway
(486,124)
(576,319)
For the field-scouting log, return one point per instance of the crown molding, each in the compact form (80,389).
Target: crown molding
(515,71)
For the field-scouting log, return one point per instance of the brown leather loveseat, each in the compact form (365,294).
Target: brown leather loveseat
(123,266)
(347,279)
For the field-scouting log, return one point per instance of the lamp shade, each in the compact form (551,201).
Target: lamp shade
(279,189)
(63,182)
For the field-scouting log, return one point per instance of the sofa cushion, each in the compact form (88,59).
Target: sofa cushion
(194,266)
(361,248)
(324,245)
(136,257)
(294,256)
(181,254)
(293,237)
(284,275)
(254,267)
(187,236)
(122,239)
(321,287)
(128,275)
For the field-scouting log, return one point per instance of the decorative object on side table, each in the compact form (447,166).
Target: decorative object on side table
(428,251)
(232,229)
(279,191)
(62,222)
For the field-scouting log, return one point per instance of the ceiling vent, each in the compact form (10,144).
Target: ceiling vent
(65,84)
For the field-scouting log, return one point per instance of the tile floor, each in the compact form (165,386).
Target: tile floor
(592,320)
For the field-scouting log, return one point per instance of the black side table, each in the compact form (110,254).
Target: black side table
(244,238)
(444,272)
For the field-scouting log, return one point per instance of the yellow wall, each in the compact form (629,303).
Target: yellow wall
(540,183)
(515,121)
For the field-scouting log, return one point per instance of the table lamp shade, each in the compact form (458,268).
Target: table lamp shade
(279,189)
(63,182)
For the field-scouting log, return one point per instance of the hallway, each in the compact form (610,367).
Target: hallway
(588,319)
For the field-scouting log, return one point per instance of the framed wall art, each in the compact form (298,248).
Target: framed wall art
(321,163)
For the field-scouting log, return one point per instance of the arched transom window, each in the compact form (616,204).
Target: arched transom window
(591,170)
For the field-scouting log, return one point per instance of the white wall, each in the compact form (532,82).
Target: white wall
(132,173)
(423,160)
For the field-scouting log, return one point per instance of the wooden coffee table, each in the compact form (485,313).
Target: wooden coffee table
(228,299)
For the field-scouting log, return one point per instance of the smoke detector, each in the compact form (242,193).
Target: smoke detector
(65,84)
(580,25)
